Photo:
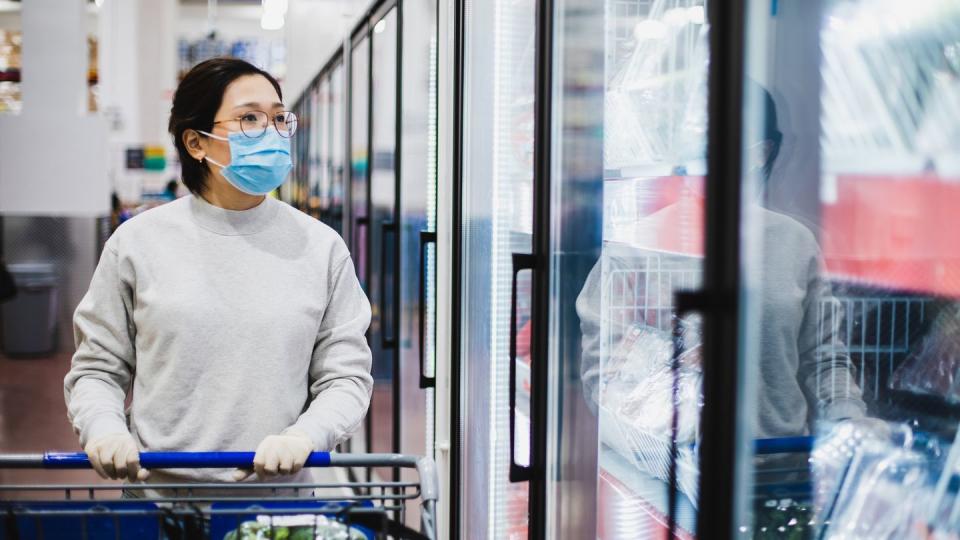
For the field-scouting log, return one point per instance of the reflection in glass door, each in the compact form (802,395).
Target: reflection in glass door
(498,144)
(384,242)
(852,341)
(629,237)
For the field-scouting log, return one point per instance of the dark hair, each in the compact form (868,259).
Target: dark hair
(770,130)
(195,103)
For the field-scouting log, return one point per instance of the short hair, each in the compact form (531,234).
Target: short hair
(196,102)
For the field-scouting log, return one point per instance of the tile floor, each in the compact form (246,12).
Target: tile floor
(33,417)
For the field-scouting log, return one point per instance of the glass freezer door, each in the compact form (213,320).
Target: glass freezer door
(851,267)
(359,122)
(497,227)
(318,203)
(359,98)
(335,196)
(630,106)
(382,284)
(418,218)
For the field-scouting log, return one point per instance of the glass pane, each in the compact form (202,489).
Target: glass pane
(319,140)
(498,222)
(852,268)
(337,187)
(320,184)
(629,238)
(299,157)
(383,233)
(359,142)
(418,186)
(359,75)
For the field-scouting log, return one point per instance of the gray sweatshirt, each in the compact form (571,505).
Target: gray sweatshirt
(803,372)
(225,327)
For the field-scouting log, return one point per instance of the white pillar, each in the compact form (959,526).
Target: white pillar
(53,154)
(137,77)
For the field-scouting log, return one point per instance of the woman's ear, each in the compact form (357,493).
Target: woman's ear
(191,140)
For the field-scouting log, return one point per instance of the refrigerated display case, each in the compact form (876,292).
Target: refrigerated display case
(497,226)
(332,192)
(317,183)
(886,270)
(359,144)
(393,148)
(832,310)
(651,248)
(417,231)
(383,243)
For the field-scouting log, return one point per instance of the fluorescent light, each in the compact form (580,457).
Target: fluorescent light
(272,21)
(380,26)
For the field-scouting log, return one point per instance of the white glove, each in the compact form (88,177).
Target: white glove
(116,457)
(279,454)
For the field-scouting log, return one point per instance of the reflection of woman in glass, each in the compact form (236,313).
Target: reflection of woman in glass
(804,371)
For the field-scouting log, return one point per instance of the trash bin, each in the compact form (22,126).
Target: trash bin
(30,319)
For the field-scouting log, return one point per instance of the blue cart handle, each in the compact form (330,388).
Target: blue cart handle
(783,445)
(778,445)
(156,460)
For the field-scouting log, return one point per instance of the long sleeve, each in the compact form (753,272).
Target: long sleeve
(340,381)
(103,365)
(827,374)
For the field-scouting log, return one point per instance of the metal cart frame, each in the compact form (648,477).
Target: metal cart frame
(32,505)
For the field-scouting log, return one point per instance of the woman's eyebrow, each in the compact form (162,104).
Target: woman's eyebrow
(274,105)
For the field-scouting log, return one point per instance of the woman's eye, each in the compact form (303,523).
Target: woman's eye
(249,117)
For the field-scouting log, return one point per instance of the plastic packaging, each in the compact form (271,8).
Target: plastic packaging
(934,367)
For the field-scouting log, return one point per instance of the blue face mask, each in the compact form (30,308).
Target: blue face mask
(257,166)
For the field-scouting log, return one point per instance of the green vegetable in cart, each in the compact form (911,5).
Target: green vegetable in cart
(302,533)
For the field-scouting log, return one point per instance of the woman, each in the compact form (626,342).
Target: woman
(236,321)
(804,372)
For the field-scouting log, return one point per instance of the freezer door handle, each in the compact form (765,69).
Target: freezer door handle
(359,249)
(685,302)
(518,473)
(388,335)
(426,237)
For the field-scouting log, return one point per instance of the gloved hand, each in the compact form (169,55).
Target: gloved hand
(279,454)
(117,457)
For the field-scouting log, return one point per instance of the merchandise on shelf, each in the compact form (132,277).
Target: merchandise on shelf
(10,56)
(933,368)
(268,54)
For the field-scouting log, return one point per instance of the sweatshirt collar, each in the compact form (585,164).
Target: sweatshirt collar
(233,222)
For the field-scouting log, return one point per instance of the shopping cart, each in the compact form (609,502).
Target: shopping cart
(232,511)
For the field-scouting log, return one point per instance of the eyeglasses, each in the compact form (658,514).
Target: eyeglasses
(254,124)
